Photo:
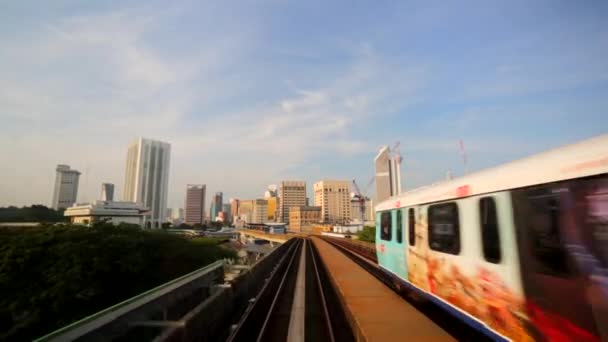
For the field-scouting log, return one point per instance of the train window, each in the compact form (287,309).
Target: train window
(547,244)
(444,228)
(489,230)
(399,227)
(411,221)
(386,229)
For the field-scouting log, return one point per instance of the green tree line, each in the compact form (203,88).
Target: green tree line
(51,276)
(367,234)
(35,213)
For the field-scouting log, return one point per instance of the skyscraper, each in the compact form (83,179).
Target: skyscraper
(291,194)
(195,204)
(147,178)
(217,205)
(388,174)
(234,208)
(333,196)
(66,187)
(107,192)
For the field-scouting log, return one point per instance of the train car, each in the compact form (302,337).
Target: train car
(519,250)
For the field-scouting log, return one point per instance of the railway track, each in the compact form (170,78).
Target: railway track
(455,327)
(294,305)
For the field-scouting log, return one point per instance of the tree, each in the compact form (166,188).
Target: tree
(367,234)
(56,275)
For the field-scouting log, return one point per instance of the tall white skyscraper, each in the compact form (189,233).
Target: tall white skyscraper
(147,178)
(66,187)
(388,174)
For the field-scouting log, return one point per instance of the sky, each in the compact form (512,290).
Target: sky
(249,93)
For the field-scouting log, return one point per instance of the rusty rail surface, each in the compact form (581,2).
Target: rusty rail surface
(362,248)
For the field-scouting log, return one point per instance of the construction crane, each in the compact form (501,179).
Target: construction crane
(358,196)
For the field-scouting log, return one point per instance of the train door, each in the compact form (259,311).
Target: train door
(384,236)
(563,244)
(398,244)
(390,242)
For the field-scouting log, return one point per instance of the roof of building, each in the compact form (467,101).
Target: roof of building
(582,159)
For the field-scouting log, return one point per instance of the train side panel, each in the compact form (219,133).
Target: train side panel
(448,260)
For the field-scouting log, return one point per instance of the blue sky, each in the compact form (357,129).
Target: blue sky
(252,92)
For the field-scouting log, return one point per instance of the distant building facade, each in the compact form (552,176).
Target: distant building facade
(175,216)
(246,210)
(147,178)
(272,208)
(234,208)
(107,192)
(301,219)
(66,187)
(227,213)
(368,213)
(107,211)
(291,194)
(259,214)
(217,205)
(388,174)
(333,196)
(195,204)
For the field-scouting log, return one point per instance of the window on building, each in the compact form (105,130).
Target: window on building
(399,227)
(444,228)
(386,228)
(411,221)
(490,238)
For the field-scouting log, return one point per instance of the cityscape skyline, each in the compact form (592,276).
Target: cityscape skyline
(310,101)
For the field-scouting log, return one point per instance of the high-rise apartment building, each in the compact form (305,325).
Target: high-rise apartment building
(195,204)
(259,213)
(333,196)
(291,194)
(147,178)
(388,174)
(66,187)
(107,192)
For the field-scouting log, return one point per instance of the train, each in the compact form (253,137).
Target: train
(518,251)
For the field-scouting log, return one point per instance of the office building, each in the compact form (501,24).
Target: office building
(301,219)
(107,192)
(217,206)
(195,204)
(388,174)
(227,213)
(234,208)
(147,178)
(291,194)
(259,214)
(272,208)
(246,210)
(66,187)
(106,211)
(333,196)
